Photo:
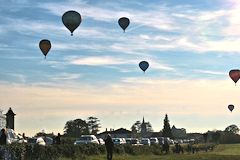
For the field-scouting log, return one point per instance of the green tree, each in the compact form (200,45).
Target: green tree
(76,128)
(232,129)
(149,127)
(166,132)
(93,125)
(136,127)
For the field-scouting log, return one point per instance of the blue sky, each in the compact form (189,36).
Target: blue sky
(190,46)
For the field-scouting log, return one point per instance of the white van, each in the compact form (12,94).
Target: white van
(86,139)
(11,136)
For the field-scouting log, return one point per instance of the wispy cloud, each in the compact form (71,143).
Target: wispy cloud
(97,61)
(65,76)
(114,61)
(211,72)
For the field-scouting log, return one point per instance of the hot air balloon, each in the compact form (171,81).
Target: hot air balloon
(144,65)
(71,20)
(231,107)
(235,75)
(123,23)
(45,46)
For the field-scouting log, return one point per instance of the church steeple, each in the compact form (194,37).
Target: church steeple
(143,128)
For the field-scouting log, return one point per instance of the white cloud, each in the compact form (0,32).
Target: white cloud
(98,61)
(65,76)
(211,72)
(113,61)
(195,34)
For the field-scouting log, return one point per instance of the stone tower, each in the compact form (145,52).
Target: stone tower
(10,119)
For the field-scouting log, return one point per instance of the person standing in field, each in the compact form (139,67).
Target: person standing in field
(58,139)
(109,146)
(3,137)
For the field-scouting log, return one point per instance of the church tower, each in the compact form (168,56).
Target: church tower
(143,128)
(10,119)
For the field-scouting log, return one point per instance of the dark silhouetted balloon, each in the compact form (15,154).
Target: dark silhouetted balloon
(231,107)
(144,65)
(45,46)
(71,19)
(123,23)
(235,75)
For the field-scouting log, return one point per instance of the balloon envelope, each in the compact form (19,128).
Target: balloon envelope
(234,75)
(231,107)
(124,23)
(144,65)
(71,20)
(45,46)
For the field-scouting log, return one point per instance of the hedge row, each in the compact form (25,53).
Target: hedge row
(54,152)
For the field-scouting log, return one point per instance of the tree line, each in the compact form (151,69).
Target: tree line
(92,125)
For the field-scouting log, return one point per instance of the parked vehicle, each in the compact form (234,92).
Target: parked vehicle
(118,141)
(36,140)
(171,141)
(101,141)
(86,139)
(145,141)
(48,140)
(179,141)
(161,140)
(154,140)
(135,142)
(13,137)
(128,140)
(124,140)
(191,140)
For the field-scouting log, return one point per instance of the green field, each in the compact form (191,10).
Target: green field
(221,152)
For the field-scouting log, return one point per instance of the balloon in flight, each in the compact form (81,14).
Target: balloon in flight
(45,46)
(144,65)
(235,75)
(231,107)
(124,23)
(71,20)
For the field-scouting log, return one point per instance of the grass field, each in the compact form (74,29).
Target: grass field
(221,152)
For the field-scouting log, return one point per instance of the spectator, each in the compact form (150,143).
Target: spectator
(58,139)
(177,148)
(109,146)
(3,137)
(165,146)
(23,136)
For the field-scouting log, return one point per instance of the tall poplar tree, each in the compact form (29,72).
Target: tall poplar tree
(167,132)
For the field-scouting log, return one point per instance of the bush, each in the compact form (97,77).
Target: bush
(54,152)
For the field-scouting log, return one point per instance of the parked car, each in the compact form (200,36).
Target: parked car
(191,140)
(128,140)
(171,141)
(124,140)
(101,141)
(118,141)
(135,142)
(161,140)
(179,141)
(86,139)
(12,136)
(36,140)
(154,140)
(48,140)
(145,141)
